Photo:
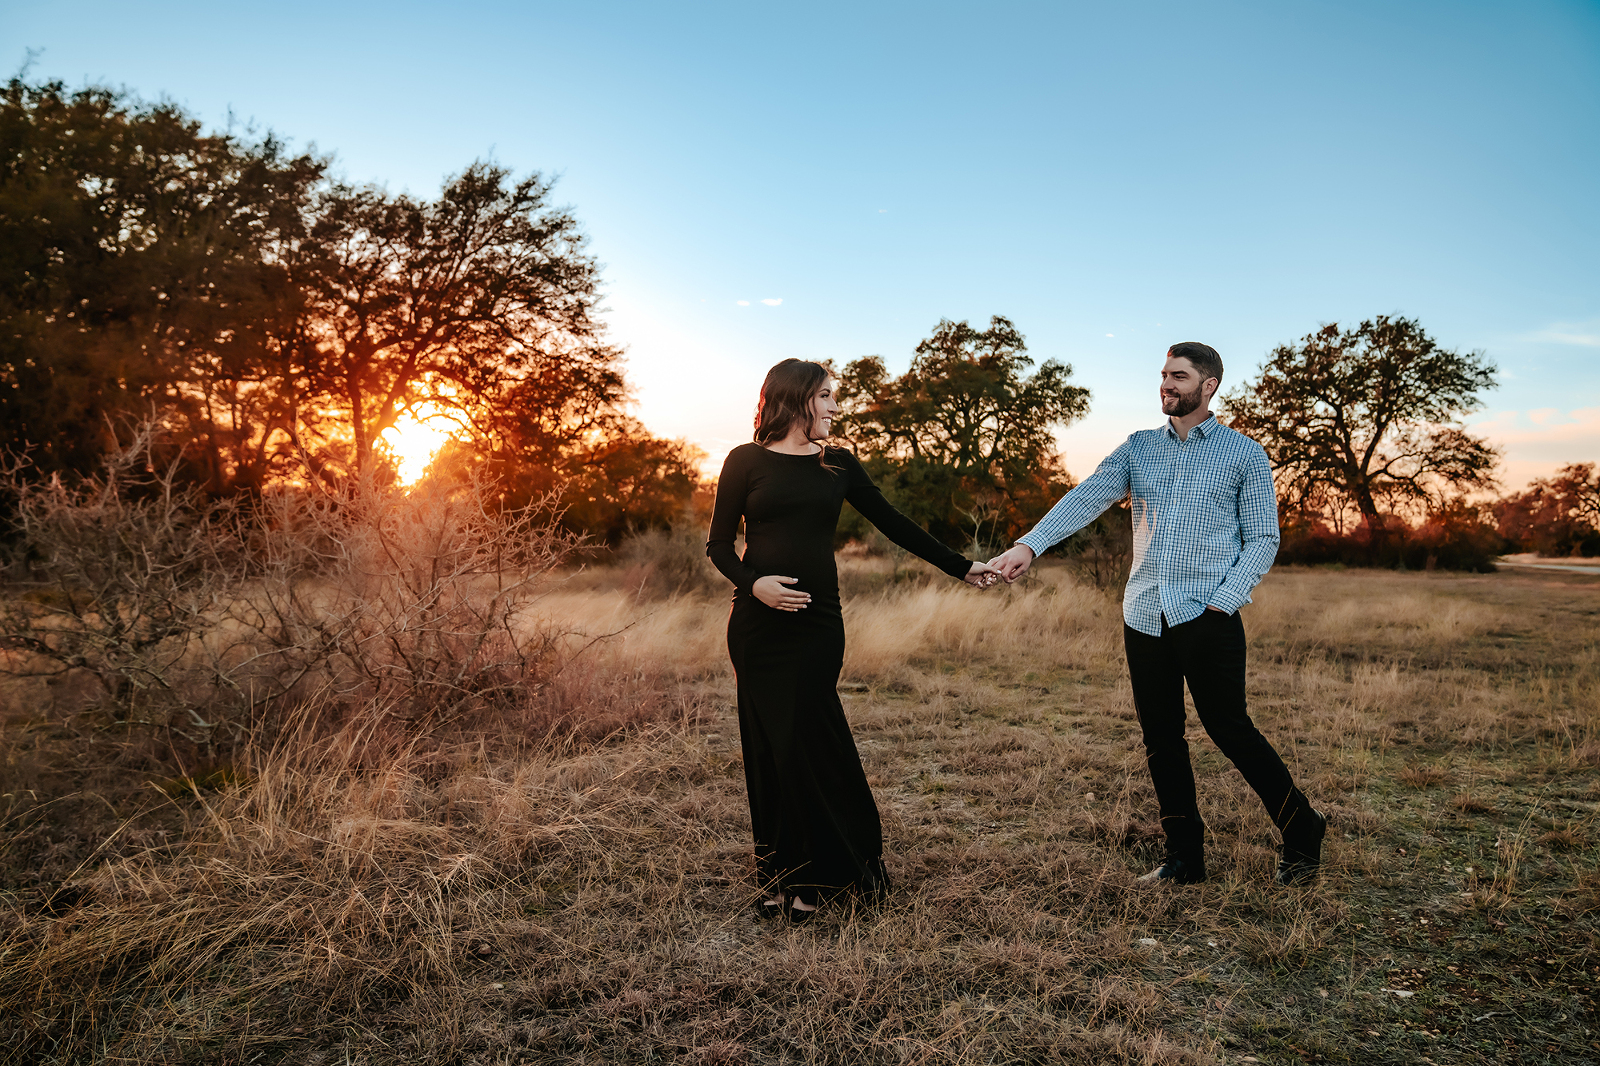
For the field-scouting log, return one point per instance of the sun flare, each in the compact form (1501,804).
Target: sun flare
(414,440)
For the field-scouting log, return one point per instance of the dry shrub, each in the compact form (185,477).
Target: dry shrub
(1051,615)
(659,563)
(1102,553)
(194,616)
(114,579)
(866,569)
(399,599)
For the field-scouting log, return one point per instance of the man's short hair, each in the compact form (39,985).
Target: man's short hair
(1204,358)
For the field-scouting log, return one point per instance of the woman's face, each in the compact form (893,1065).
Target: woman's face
(823,408)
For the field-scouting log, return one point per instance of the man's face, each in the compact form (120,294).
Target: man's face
(1182,390)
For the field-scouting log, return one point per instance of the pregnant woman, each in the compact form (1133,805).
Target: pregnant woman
(816,826)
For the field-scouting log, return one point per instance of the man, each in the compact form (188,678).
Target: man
(1205,530)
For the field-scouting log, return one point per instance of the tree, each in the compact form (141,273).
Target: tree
(1366,420)
(135,275)
(606,482)
(465,303)
(1554,516)
(965,438)
(627,482)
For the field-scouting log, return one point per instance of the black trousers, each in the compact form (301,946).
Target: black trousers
(1208,653)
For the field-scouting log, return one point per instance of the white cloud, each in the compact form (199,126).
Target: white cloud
(1581,334)
(1112,335)
(1585,340)
(742,303)
(772,303)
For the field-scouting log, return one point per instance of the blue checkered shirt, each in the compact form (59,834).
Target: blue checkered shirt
(1205,520)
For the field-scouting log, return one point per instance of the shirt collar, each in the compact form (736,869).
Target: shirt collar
(1204,429)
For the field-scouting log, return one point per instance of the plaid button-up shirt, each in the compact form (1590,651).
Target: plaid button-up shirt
(1205,520)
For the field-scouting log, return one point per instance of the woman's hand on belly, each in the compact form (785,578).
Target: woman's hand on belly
(770,591)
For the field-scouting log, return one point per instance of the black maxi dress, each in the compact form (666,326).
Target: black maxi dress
(815,823)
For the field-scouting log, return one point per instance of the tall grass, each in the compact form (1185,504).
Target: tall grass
(564,876)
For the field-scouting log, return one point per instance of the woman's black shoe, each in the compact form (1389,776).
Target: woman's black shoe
(1175,872)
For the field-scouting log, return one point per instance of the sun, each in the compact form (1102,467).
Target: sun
(414,440)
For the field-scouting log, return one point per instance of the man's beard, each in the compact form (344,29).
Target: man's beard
(1183,404)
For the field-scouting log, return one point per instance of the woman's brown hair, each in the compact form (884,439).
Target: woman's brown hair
(786,399)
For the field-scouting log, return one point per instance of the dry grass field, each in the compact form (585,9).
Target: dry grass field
(515,891)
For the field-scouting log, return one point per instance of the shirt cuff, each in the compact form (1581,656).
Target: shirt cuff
(1035,543)
(1226,599)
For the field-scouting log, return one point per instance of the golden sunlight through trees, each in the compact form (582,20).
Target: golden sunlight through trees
(414,440)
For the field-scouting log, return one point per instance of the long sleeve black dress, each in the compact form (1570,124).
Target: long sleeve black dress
(815,823)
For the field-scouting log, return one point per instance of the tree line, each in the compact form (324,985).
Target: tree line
(276,321)
(1364,426)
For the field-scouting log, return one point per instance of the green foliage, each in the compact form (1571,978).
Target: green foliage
(135,273)
(605,485)
(963,442)
(1365,420)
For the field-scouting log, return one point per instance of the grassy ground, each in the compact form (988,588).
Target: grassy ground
(346,894)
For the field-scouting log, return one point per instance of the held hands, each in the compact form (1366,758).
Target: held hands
(1013,563)
(770,591)
(982,575)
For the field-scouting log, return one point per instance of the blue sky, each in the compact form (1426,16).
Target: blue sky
(1113,178)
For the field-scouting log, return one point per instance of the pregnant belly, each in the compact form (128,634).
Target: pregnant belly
(818,576)
(763,639)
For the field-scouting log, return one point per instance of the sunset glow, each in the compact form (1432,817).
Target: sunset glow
(414,440)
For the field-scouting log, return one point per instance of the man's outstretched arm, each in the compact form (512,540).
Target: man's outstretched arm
(1088,501)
